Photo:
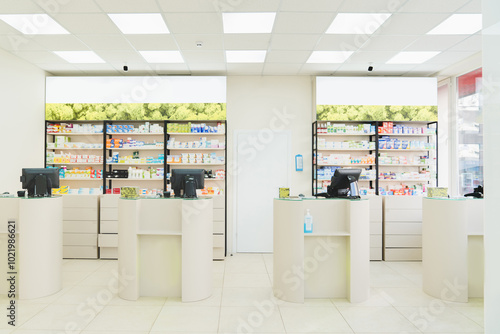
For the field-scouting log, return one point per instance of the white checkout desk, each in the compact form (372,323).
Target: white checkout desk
(452,248)
(165,248)
(331,262)
(39,239)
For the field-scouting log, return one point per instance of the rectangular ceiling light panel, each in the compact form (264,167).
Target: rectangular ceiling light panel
(459,24)
(34,24)
(357,23)
(248,23)
(137,24)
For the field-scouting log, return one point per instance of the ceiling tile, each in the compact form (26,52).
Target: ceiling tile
(246,41)
(20,7)
(388,43)
(60,68)
(281,69)
(473,7)
(433,68)
(39,57)
(106,42)
(18,42)
(372,6)
(397,69)
(210,42)
(170,68)
(245,6)
(207,67)
(318,69)
(128,6)
(152,42)
(411,24)
(95,67)
(188,6)
(87,23)
(194,23)
(287,57)
(302,23)
(74,6)
(121,56)
(432,6)
(196,56)
(435,42)
(310,5)
(61,42)
(449,57)
(245,69)
(294,41)
(375,57)
(340,42)
(473,43)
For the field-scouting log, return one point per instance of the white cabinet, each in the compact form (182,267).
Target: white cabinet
(219,227)
(375,227)
(108,232)
(402,228)
(80,226)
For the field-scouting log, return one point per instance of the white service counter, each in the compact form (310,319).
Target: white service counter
(331,262)
(452,248)
(165,248)
(39,244)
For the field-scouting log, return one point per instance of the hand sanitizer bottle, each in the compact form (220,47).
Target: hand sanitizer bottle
(308,222)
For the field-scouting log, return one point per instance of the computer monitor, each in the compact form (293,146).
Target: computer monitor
(342,182)
(186,181)
(40,181)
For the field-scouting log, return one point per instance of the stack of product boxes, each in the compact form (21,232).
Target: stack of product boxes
(74,128)
(202,143)
(333,128)
(129,128)
(195,128)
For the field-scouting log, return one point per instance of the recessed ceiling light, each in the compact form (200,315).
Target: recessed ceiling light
(459,24)
(248,23)
(162,57)
(417,57)
(329,57)
(34,24)
(241,56)
(80,57)
(140,23)
(357,23)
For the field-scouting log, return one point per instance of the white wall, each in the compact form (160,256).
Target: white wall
(491,117)
(266,104)
(22,88)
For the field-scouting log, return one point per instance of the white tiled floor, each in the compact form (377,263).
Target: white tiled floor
(242,302)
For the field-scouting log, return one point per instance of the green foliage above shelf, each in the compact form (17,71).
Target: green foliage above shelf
(376,113)
(135,111)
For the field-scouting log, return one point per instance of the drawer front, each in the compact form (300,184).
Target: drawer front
(219,201)
(218,253)
(80,201)
(109,226)
(403,254)
(80,252)
(108,240)
(375,228)
(80,213)
(109,201)
(219,214)
(219,227)
(109,213)
(80,226)
(79,239)
(108,253)
(219,241)
(403,241)
(376,241)
(403,202)
(375,253)
(394,215)
(403,228)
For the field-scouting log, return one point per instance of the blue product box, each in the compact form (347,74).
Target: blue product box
(382,144)
(404,144)
(397,144)
(389,144)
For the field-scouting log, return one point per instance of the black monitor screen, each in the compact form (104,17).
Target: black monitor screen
(185,182)
(341,181)
(40,181)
